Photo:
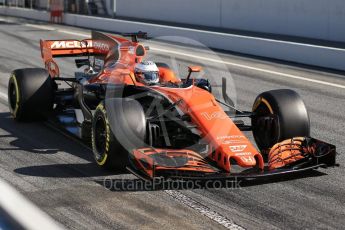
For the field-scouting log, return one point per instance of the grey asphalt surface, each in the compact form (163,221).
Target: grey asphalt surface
(58,174)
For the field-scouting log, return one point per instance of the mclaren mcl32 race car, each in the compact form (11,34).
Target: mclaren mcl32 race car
(173,128)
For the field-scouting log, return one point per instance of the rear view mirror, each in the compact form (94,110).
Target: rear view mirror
(194,69)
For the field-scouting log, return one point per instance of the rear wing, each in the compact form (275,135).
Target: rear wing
(63,48)
(104,47)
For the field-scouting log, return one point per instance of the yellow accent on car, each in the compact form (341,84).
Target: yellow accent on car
(104,160)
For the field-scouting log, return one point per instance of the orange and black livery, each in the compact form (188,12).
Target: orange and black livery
(176,128)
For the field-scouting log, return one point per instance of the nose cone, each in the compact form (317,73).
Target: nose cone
(245,160)
(245,155)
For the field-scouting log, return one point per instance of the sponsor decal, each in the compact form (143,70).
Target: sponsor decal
(101,46)
(243,154)
(215,115)
(233,139)
(237,148)
(230,137)
(69,44)
(248,159)
(231,142)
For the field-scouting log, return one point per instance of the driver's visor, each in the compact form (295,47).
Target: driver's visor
(151,76)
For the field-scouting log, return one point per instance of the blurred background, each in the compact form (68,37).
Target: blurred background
(103,8)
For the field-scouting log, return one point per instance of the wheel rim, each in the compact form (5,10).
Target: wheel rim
(100,138)
(265,127)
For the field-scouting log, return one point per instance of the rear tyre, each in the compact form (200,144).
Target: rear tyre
(30,94)
(279,115)
(118,126)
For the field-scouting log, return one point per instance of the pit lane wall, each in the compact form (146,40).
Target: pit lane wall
(320,56)
(317,19)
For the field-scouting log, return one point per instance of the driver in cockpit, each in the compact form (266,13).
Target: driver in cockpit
(147,73)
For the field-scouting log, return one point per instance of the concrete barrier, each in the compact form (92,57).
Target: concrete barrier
(317,19)
(25,13)
(288,51)
(197,12)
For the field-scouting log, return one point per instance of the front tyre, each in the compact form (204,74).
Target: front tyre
(30,94)
(116,125)
(279,115)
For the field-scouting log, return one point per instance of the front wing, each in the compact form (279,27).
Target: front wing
(149,163)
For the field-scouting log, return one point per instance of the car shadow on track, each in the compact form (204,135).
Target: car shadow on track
(25,139)
(138,185)
(65,171)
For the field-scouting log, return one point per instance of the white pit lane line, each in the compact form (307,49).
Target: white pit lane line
(202,209)
(285,75)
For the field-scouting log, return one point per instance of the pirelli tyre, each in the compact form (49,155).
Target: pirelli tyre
(30,94)
(118,127)
(279,115)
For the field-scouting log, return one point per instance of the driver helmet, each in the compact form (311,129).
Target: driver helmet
(147,72)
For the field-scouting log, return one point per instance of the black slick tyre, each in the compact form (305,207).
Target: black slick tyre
(30,94)
(117,126)
(279,115)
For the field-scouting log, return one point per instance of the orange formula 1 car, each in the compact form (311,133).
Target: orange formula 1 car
(139,115)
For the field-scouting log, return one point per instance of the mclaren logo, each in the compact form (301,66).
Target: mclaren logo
(238,148)
(69,44)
